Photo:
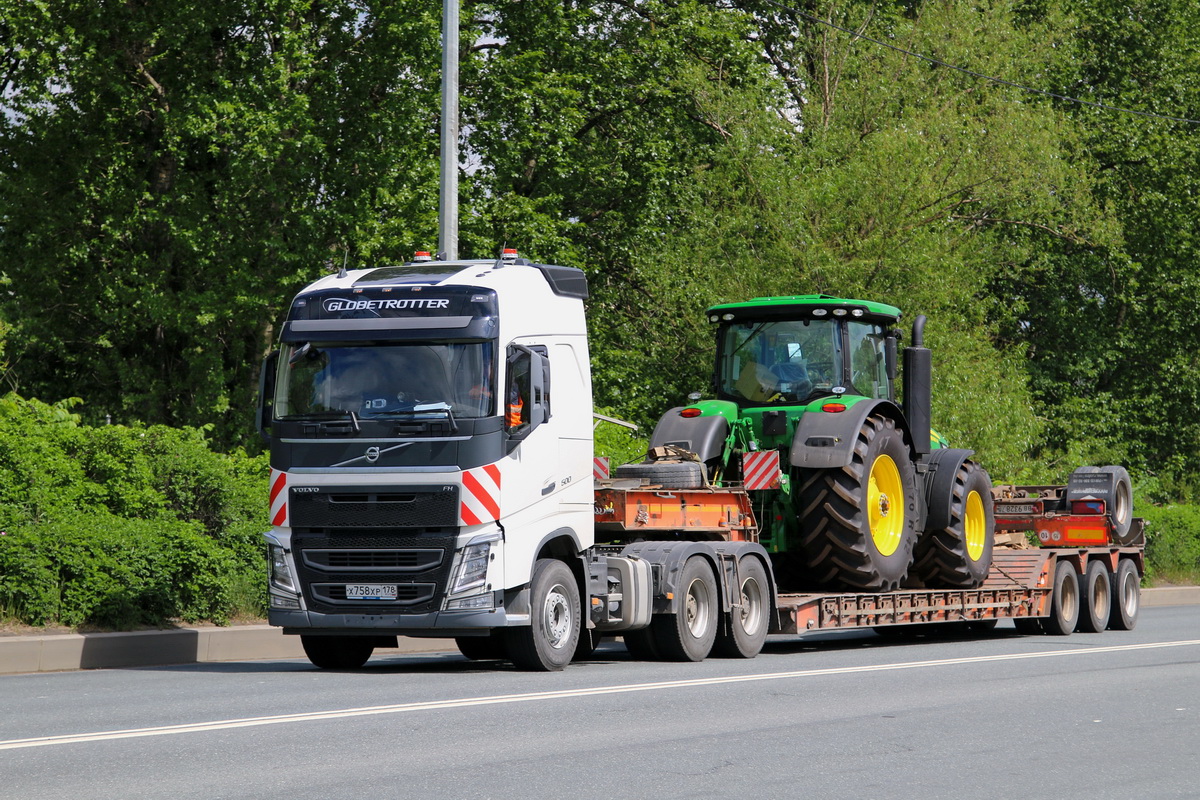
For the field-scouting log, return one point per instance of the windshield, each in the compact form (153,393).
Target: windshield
(319,381)
(773,362)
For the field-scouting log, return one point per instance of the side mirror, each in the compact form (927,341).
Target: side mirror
(266,396)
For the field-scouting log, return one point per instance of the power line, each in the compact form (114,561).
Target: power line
(975,74)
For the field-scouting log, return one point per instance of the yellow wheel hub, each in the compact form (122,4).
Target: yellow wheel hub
(885,505)
(975,526)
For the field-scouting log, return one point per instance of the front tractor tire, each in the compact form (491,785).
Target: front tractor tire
(959,555)
(548,643)
(858,523)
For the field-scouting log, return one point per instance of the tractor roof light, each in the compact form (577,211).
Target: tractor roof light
(839,312)
(858,312)
(820,312)
(713,318)
(727,317)
(422,255)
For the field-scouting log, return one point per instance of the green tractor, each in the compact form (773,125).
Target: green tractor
(851,490)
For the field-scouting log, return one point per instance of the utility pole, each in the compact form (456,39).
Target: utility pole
(448,194)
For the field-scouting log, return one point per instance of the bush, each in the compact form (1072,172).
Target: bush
(1172,542)
(101,570)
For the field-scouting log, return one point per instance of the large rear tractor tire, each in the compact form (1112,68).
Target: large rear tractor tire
(1096,597)
(337,652)
(688,635)
(745,630)
(959,555)
(548,643)
(858,523)
(1126,596)
(1064,601)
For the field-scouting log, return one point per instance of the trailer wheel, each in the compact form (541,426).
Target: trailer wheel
(1096,595)
(689,634)
(548,643)
(858,523)
(1121,512)
(640,644)
(960,555)
(1064,601)
(745,630)
(1126,596)
(337,652)
(482,648)
(670,474)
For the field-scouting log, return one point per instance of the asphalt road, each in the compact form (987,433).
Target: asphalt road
(849,715)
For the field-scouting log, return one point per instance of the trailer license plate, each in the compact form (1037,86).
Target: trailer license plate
(1015,508)
(370,591)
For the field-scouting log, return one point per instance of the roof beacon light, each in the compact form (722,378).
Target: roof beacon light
(509,254)
(422,255)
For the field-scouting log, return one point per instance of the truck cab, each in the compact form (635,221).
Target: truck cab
(430,443)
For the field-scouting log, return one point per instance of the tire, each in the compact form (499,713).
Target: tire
(1120,515)
(689,634)
(482,648)
(640,644)
(1064,601)
(858,522)
(745,629)
(1126,596)
(671,474)
(337,652)
(547,643)
(1096,597)
(1028,625)
(960,555)
(589,640)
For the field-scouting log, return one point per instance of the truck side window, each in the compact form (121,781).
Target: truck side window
(527,394)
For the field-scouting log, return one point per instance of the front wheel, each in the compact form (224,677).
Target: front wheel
(337,652)
(548,643)
(959,555)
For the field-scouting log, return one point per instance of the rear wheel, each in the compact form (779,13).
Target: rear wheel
(1096,596)
(745,630)
(1126,596)
(960,555)
(858,523)
(337,652)
(1064,601)
(548,642)
(688,635)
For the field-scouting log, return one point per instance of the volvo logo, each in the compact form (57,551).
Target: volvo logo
(372,454)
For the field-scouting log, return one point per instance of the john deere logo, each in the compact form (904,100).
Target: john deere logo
(372,454)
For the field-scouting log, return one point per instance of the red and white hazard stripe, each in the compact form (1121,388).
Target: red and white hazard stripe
(480,495)
(760,469)
(279,509)
(600,470)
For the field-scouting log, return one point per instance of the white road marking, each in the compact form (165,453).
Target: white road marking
(466,702)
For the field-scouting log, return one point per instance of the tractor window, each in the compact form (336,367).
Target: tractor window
(778,362)
(868,366)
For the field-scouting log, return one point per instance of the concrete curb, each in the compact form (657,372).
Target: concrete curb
(59,652)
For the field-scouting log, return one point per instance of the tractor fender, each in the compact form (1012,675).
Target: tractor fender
(939,485)
(825,440)
(668,557)
(705,436)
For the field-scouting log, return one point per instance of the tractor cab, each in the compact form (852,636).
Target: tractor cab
(788,351)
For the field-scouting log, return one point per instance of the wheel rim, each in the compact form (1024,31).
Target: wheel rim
(975,526)
(1100,599)
(885,505)
(697,609)
(751,614)
(1069,597)
(1129,594)
(1122,503)
(557,616)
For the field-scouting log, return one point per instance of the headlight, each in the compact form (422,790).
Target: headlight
(472,567)
(281,571)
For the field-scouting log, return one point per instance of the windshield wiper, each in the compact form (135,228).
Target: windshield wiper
(331,414)
(423,411)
